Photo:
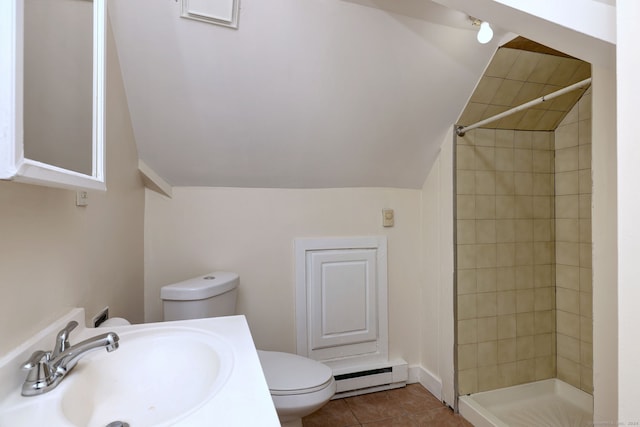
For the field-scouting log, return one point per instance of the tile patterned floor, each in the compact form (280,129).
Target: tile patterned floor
(411,406)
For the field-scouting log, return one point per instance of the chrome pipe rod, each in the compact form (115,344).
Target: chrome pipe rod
(460,130)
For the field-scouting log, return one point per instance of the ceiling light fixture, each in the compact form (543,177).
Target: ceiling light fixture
(485,34)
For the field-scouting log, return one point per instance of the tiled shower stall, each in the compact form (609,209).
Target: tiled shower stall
(524,299)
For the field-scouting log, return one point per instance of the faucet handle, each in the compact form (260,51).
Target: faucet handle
(62,340)
(36,359)
(39,373)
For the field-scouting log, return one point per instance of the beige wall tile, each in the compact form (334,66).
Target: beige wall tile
(543,161)
(467,306)
(543,140)
(568,347)
(543,345)
(465,157)
(523,139)
(584,131)
(568,253)
(586,329)
(524,277)
(468,381)
(585,230)
(488,328)
(586,304)
(544,299)
(567,206)
(485,231)
(567,183)
(486,280)
(465,182)
(525,347)
(466,231)
(467,331)
(506,301)
(505,207)
(525,324)
(544,322)
(486,304)
(485,159)
(543,184)
(523,183)
(487,353)
(585,255)
(584,106)
(505,254)
(586,379)
(525,303)
(567,159)
(525,371)
(542,230)
(524,253)
(504,138)
(585,279)
(485,137)
(584,156)
(507,374)
(466,256)
(586,354)
(506,350)
(466,281)
(506,326)
(523,230)
(584,206)
(505,228)
(567,230)
(543,276)
(505,278)
(568,324)
(504,159)
(568,276)
(488,378)
(485,207)
(568,371)
(543,252)
(545,367)
(543,207)
(523,207)
(586,183)
(568,300)
(485,182)
(505,184)
(523,160)
(485,255)
(467,356)
(466,207)
(566,135)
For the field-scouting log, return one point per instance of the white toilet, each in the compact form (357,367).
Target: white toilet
(298,385)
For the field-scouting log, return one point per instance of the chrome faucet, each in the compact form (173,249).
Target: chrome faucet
(48,368)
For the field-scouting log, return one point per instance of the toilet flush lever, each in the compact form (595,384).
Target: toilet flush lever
(62,339)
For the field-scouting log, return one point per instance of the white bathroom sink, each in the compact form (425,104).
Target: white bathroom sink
(155,378)
(182,373)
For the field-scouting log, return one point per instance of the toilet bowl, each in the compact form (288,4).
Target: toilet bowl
(298,385)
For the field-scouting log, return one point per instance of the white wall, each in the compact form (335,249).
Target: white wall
(437,280)
(55,256)
(251,232)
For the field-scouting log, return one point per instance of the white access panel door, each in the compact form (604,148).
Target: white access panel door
(341,299)
(343,303)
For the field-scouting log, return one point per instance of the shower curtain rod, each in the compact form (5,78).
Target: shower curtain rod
(460,130)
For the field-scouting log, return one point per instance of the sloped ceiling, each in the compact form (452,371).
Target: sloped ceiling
(305,94)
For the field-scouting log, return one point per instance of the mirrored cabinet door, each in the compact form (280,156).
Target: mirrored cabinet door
(52,92)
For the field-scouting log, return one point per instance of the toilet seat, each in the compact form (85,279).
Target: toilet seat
(290,374)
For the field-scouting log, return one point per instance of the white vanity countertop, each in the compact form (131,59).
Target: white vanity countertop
(242,401)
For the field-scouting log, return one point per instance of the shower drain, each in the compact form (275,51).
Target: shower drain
(118,424)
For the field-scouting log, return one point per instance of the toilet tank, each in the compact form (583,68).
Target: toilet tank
(211,295)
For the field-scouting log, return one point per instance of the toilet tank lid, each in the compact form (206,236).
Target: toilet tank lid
(201,287)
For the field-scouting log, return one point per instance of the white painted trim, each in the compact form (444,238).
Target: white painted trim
(426,378)
(225,21)
(302,246)
(153,181)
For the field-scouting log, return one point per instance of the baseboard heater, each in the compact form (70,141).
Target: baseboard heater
(370,378)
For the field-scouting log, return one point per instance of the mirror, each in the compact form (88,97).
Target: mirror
(52,92)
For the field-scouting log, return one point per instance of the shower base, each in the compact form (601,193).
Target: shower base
(551,403)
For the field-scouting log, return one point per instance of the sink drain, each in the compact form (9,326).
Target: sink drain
(118,424)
